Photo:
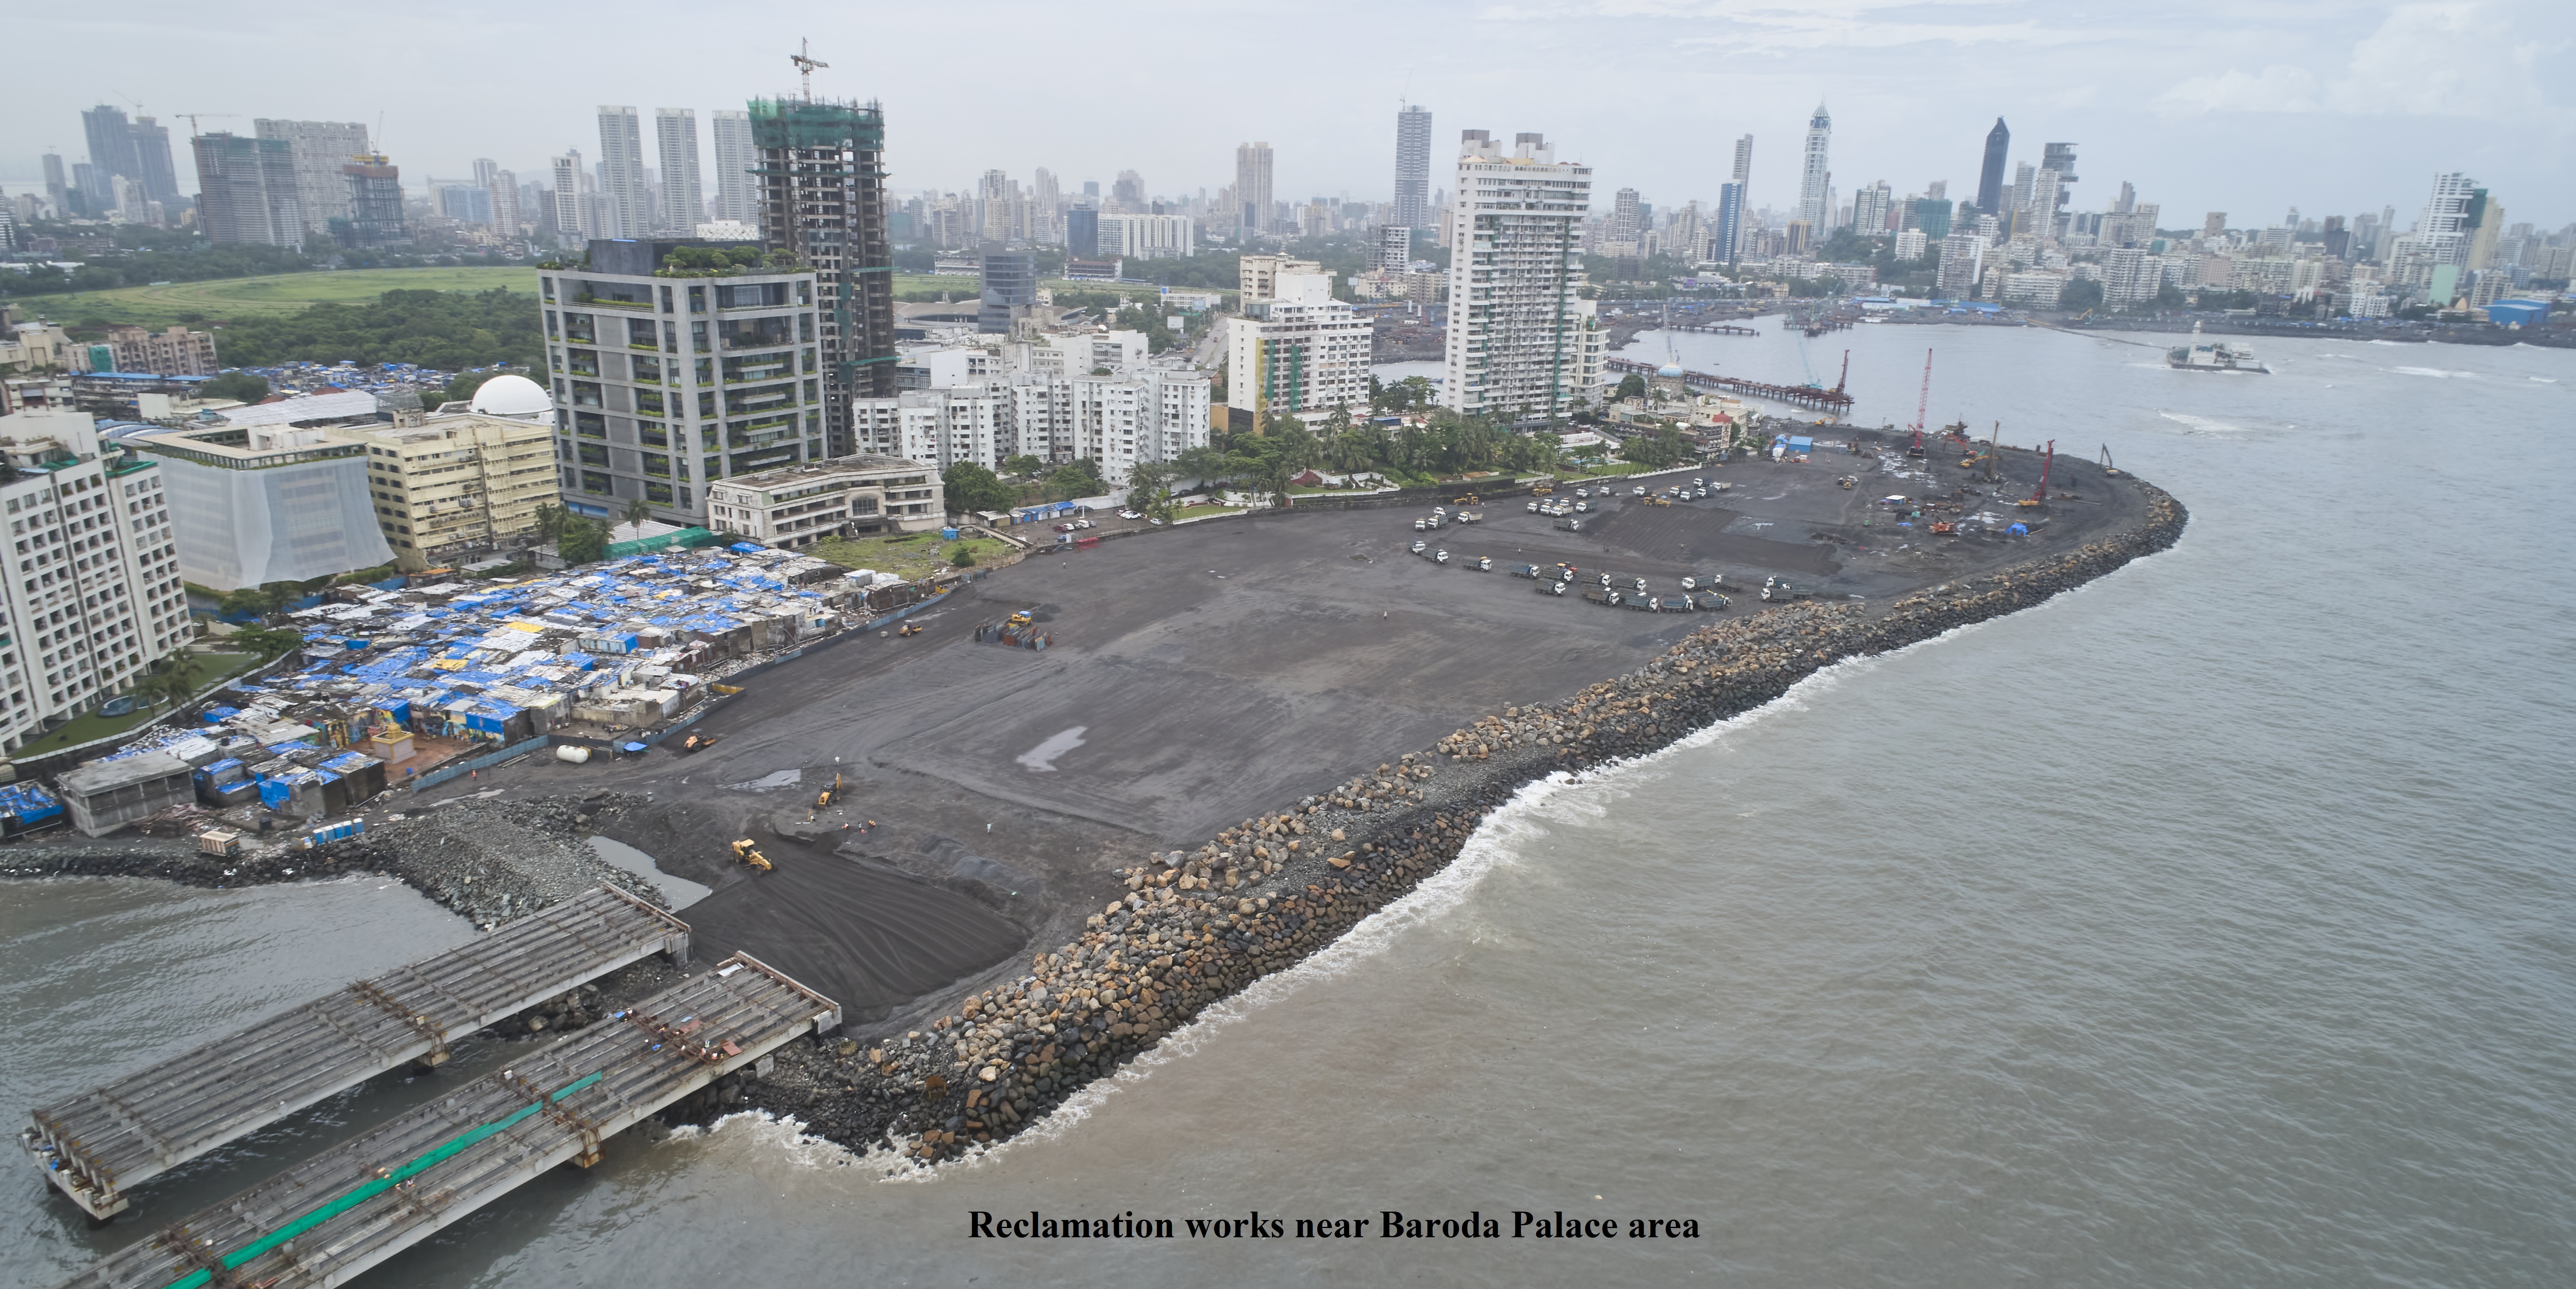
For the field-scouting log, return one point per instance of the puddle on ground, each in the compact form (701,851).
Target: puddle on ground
(679,890)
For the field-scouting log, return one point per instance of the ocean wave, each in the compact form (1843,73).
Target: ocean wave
(2435,372)
(2201,424)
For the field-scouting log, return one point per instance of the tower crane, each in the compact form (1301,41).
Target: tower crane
(193,117)
(805,65)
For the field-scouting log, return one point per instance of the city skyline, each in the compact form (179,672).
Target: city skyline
(2165,131)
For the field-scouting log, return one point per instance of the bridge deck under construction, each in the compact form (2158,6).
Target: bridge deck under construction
(97,1146)
(330,1218)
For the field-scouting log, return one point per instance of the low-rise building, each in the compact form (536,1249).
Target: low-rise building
(267,493)
(466,479)
(92,592)
(175,351)
(2034,289)
(847,496)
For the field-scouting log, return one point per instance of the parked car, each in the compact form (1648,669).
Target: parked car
(1084,523)
(1129,514)
(1419,547)
(1064,528)
(1638,491)
(1421,524)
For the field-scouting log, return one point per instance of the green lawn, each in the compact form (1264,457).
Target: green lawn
(908,556)
(1188,513)
(227,299)
(81,729)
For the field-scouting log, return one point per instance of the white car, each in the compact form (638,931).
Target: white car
(1129,514)
(1533,507)
(1638,491)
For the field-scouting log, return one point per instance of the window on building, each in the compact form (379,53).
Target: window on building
(594,454)
(657,465)
(578,327)
(660,492)
(590,425)
(648,370)
(583,362)
(592,481)
(642,334)
(651,432)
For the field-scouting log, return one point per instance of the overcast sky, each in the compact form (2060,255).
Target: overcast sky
(2247,106)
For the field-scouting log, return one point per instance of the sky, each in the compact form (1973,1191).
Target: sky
(2249,107)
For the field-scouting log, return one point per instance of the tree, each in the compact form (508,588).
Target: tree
(238,385)
(267,642)
(961,555)
(461,389)
(1630,386)
(2079,295)
(969,487)
(1664,447)
(1076,478)
(582,542)
(1149,488)
(550,519)
(1025,465)
(248,600)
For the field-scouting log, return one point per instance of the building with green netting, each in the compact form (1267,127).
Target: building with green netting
(822,195)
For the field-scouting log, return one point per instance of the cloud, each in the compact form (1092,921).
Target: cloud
(2446,59)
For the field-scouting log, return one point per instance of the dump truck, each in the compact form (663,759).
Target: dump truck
(1776,590)
(1480,564)
(1530,570)
(1551,588)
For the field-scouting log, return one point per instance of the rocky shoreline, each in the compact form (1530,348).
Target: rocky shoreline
(1197,927)
(1192,927)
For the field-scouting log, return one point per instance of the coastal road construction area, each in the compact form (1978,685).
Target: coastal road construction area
(1198,677)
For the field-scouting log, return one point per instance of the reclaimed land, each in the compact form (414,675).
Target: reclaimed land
(1036,864)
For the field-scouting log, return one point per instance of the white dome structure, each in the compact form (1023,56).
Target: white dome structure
(516,397)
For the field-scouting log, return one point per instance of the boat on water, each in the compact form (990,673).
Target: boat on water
(2212,355)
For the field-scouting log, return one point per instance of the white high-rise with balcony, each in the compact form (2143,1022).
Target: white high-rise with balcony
(621,174)
(1523,343)
(737,195)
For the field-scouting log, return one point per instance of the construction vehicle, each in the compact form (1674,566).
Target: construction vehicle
(1551,588)
(2107,467)
(1467,500)
(1659,501)
(1543,489)
(1848,482)
(749,854)
(1480,564)
(1944,528)
(828,793)
(910,629)
(1526,570)
(2040,494)
(1024,617)
(697,742)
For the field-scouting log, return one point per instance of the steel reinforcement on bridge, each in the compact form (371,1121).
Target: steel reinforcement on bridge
(1808,396)
(324,1221)
(97,1146)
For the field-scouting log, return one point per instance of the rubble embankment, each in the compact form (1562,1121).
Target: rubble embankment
(486,861)
(1258,898)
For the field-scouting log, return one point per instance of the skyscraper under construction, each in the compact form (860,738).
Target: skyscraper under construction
(822,195)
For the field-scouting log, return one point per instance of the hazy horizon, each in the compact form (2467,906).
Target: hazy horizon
(2333,109)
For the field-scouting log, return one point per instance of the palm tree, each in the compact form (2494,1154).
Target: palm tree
(636,513)
(550,520)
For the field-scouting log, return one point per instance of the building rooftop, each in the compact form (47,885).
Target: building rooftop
(864,463)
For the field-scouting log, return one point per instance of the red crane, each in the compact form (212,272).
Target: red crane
(2040,493)
(1922,406)
(1838,380)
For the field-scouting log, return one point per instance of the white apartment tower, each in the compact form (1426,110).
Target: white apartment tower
(92,592)
(737,196)
(2442,236)
(502,187)
(1815,174)
(1523,343)
(621,174)
(1306,354)
(675,139)
(569,181)
(320,148)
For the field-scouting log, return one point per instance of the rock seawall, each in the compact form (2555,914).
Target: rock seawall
(1261,896)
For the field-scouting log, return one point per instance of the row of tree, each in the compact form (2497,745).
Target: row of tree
(444,329)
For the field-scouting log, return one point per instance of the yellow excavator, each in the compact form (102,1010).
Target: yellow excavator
(750,854)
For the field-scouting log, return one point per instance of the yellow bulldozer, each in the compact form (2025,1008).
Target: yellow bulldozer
(749,853)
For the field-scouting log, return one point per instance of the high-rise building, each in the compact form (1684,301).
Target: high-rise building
(570,179)
(1870,208)
(1990,178)
(1625,226)
(319,149)
(1302,353)
(1963,258)
(1413,166)
(249,190)
(103,597)
(1815,175)
(822,178)
(1082,233)
(501,195)
(1045,209)
(675,145)
(1523,343)
(375,203)
(628,207)
(1728,242)
(160,179)
(2057,158)
(1252,186)
(737,192)
(664,385)
(57,187)
(1394,248)
(111,147)
(2444,232)
(1010,289)
(1127,193)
